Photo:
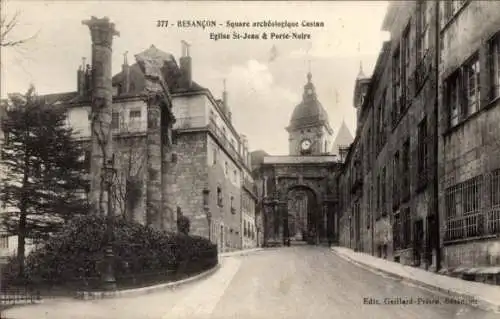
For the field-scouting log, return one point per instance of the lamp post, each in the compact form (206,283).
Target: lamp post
(109,280)
(206,209)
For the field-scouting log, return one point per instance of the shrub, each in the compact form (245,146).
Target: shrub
(77,251)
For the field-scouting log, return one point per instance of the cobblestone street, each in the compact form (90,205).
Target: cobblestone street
(295,282)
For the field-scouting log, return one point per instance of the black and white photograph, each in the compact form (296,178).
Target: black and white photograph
(249,159)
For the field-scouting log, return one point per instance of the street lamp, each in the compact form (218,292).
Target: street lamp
(109,280)
(206,209)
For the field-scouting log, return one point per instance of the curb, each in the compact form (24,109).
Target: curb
(86,295)
(240,252)
(481,303)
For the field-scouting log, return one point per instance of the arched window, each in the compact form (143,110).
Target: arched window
(219,196)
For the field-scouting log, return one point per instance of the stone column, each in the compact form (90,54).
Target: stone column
(153,150)
(167,177)
(102,32)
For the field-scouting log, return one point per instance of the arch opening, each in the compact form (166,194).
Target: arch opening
(303,215)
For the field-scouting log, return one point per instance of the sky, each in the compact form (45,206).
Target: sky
(261,93)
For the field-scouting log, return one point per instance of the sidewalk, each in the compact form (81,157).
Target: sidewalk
(242,252)
(487,296)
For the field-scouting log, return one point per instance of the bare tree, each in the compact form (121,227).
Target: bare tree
(131,160)
(6,27)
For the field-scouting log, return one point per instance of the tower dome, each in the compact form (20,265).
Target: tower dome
(309,111)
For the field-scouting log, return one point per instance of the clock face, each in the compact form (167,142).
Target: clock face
(305,144)
(309,91)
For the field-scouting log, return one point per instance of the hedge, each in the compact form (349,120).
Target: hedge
(76,253)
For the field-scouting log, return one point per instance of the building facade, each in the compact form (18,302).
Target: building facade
(298,191)
(203,174)
(469,144)
(420,182)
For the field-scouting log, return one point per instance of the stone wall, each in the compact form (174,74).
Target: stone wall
(189,175)
(472,147)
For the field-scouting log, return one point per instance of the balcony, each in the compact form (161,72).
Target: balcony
(225,142)
(84,132)
(130,127)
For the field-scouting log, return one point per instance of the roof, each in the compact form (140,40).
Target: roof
(170,71)
(343,138)
(309,111)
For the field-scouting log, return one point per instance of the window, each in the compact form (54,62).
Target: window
(219,196)
(382,187)
(226,168)
(453,96)
(422,29)
(233,210)
(135,115)
(395,180)
(115,120)
(464,218)
(406,234)
(215,152)
(472,84)
(422,153)
(4,242)
(396,231)
(495,189)
(405,67)
(494,63)
(381,137)
(235,176)
(396,86)
(379,196)
(406,170)
(451,7)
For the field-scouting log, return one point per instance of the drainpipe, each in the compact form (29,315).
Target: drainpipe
(436,137)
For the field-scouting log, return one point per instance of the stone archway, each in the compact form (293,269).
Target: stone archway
(304,214)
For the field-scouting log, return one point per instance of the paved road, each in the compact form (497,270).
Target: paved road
(297,282)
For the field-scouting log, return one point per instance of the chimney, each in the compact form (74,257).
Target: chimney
(88,80)
(126,74)
(80,79)
(225,106)
(185,65)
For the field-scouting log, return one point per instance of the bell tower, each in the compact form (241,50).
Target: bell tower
(309,131)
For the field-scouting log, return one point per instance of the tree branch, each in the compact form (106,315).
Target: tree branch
(6,27)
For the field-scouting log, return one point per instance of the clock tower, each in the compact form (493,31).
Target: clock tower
(309,131)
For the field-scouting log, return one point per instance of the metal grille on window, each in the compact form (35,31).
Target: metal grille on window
(493,215)
(464,214)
